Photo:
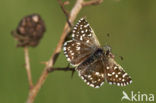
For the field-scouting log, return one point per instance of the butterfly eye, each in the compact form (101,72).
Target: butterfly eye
(107,52)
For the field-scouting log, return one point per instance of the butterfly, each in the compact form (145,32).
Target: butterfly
(95,65)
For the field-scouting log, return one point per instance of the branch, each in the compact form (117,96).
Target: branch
(27,66)
(49,64)
(62,69)
(65,11)
(92,2)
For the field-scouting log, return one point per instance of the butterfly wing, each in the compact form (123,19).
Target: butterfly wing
(83,43)
(76,52)
(92,72)
(115,74)
(83,32)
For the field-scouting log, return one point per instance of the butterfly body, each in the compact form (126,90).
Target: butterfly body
(97,55)
(94,64)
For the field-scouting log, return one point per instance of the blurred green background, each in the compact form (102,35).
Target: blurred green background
(132,28)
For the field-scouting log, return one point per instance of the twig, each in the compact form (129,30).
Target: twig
(61,69)
(65,11)
(92,2)
(27,66)
(49,64)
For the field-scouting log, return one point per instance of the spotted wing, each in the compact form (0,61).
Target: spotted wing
(92,72)
(115,74)
(83,43)
(83,32)
(76,52)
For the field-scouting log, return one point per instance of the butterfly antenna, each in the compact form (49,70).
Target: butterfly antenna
(121,57)
(108,39)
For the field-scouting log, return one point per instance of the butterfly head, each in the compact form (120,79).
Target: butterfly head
(107,49)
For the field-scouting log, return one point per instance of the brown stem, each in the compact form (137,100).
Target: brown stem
(92,2)
(27,66)
(49,64)
(65,11)
(61,69)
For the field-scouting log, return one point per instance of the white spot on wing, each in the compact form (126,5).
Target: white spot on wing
(113,73)
(86,25)
(101,83)
(83,34)
(89,76)
(65,43)
(74,31)
(119,78)
(116,76)
(97,87)
(87,41)
(78,43)
(109,74)
(81,19)
(127,83)
(86,30)
(81,38)
(64,48)
(91,85)
(82,31)
(115,67)
(110,83)
(124,75)
(118,84)
(96,73)
(88,83)
(90,35)
(119,72)
(77,48)
(68,59)
(82,77)
(73,35)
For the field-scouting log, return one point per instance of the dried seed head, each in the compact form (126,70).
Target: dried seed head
(29,31)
